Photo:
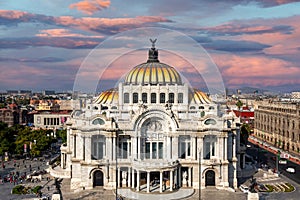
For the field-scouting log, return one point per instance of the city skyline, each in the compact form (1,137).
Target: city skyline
(254,43)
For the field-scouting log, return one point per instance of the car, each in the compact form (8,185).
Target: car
(291,170)
(244,188)
(282,161)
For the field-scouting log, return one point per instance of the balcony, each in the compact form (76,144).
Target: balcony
(152,164)
(58,172)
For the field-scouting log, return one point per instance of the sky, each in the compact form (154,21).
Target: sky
(254,43)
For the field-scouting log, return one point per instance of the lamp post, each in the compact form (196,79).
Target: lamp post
(199,158)
(117,175)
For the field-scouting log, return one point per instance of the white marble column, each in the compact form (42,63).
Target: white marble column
(148,182)
(119,177)
(88,149)
(194,147)
(139,147)
(168,148)
(175,147)
(69,130)
(129,177)
(160,181)
(225,148)
(109,148)
(133,147)
(190,177)
(200,144)
(171,180)
(138,181)
(114,153)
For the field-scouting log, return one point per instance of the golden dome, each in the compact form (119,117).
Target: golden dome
(153,72)
(108,97)
(200,97)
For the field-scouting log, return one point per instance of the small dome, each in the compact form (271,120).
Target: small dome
(108,97)
(200,97)
(153,72)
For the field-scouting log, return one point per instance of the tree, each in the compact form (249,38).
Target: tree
(239,104)
(245,131)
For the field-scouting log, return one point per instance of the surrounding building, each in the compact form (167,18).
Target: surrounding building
(151,133)
(50,120)
(278,123)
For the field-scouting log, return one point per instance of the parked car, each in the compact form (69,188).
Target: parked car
(282,161)
(244,188)
(291,170)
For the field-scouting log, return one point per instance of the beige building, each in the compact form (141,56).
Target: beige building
(278,123)
(50,120)
(151,133)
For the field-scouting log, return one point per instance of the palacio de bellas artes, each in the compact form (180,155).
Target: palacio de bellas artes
(153,132)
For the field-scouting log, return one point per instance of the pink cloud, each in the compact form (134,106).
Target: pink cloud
(90,6)
(63,33)
(102,24)
(256,70)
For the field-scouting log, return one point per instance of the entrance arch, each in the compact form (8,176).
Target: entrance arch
(210,178)
(98,178)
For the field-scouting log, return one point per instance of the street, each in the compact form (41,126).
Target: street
(264,157)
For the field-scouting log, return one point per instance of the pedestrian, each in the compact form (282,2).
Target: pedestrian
(48,187)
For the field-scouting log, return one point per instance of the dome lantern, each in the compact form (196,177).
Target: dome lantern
(153,52)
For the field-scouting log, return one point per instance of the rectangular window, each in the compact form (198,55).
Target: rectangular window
(213,149)
(182,153)
(126,97)
(189,149)
(180,97)
(95,151)
(153,97)
(144,97)
(124,150)
(135,98)
(147,150)
(171,97)
(154,150)
(160,150)
(100,150)
(207,150)
(162,98)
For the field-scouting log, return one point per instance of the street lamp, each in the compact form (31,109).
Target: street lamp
(199,158)
(117,175)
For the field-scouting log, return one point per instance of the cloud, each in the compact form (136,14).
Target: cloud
(44,59)
(99,25)
(68,43)
(235,46)
(64,33)
(90,6)
(256,70)
(237,28)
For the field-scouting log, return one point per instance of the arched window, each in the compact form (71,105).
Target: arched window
(211,108)
(98,121)
(210,122)
(192,107)
(201,107)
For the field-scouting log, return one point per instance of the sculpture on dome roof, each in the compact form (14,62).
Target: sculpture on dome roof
(153,53)
(153,42)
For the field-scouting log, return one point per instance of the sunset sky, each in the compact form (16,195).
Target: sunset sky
(254,43)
